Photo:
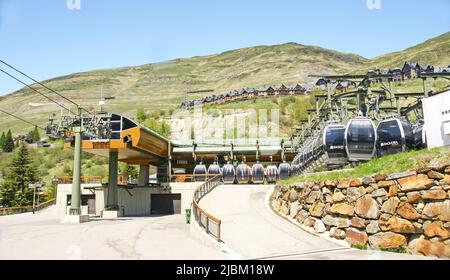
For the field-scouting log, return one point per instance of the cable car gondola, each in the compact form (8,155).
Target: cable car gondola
(199,170)
(271,174)
(284,171)
(394,135)
(360,139)
(214,169)
(228,174)
(258,173)
(333,140)
(243,173)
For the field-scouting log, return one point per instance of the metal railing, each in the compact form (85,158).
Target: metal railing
(207,221)
(188,178)
(84,180)
(26,209)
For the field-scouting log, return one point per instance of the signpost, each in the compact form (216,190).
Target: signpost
(36,187)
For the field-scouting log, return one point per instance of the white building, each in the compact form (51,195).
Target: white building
(436,111)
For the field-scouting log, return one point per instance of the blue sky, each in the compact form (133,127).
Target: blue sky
(46,39)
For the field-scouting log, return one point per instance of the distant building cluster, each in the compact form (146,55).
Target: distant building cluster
(251,93)
(410,70)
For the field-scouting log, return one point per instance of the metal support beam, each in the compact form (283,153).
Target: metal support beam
(75,204)
(112,202)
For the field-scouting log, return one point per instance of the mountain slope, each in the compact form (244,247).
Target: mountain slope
(435,51)
(163,85)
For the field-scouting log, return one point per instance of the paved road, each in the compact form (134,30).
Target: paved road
(252,230)
(41,236)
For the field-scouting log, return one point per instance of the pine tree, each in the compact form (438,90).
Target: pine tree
(15,191)
(36,136)
(141,116)
(8,147)
(2,141)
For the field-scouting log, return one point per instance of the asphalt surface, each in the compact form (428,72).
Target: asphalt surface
(252,230)
(43,237)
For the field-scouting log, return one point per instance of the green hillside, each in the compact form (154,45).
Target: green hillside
(163,85)
(435,51)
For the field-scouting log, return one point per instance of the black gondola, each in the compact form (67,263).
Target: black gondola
(243,173)
(394,136)
(199,170)
(284,171)
(228,174)
(360,139)
(258,173)
(333,141)
(214,169)
(271,174)
(420,136)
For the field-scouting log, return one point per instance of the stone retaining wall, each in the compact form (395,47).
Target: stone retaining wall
(407,211)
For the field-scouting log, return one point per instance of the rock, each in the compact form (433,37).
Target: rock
(370,189)
(313,196)
(386,184)
(372,227)
(319,227)
(400,225)
(424,170)
(343,209)
(414,197)
(445,211)
(424,247)
(432,229)
(387,240)
(400,175)
(337,233)
(445,181)
(295,207)
(284,210)
(416,182)
(358,222)
(336,222)
(380,177)
(433,194)
(354,193)
(354,236)
(367,181)
(407,211)
(302,215)
(317,209)
(326,191)
(432,209)
(343,183)
(379,193)
(329,183)
(367,207)
(358,182)
(338,196)
(328,198)
(284,189)
(435,175)
(393,190)
(293,195)
(309,222)
(285,196)
(420,207)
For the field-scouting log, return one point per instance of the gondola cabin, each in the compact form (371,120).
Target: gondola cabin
(333,140)
(200,170)
(394,136)
(228,174)
(360,139)
(258,173)
(271,174)
(214,169)
(284,171)
(243,173)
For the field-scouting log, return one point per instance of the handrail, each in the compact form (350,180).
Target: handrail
(84,179)
(201,216)
(190,177)
(25,209)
